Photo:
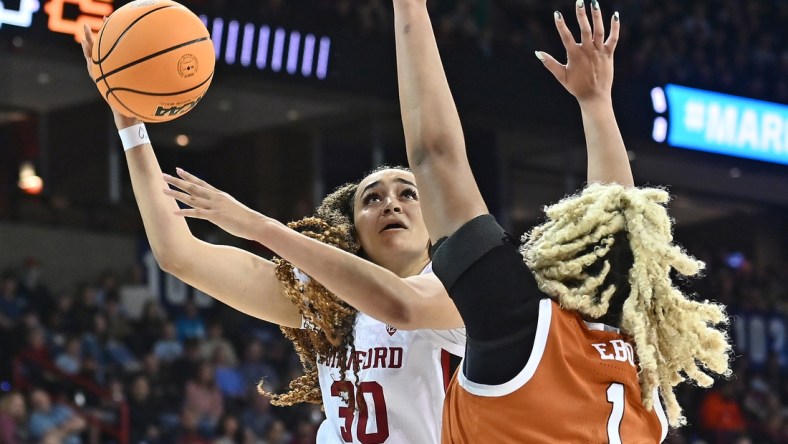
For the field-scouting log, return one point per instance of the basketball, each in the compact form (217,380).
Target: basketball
(153,60)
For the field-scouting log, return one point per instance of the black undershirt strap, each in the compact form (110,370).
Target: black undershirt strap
(496,296)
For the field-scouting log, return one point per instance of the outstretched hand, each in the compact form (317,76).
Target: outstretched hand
(588,73)
(211,204)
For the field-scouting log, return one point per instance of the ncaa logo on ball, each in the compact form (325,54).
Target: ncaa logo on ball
(187,66)
(162,111)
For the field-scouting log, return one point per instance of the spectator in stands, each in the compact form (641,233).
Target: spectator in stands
(203,398)
(134,293)
(228,378)
(721,416)
(166,388)
(168,348)
(107,286)
(190,325)
(305,432)
(109,353)
(32,287)
(772,430)
(118,326)
(145,411)
(258,417)
(69,361)
(149,328)
(95,355)
(229,431)
(12,305)
(185,367)
(277,433)
(53,423)
(15,340)
(36,352)
(13,414)
(189,429)
(255,368)
(63,319)
(279,356)
(86,307)
(215,341)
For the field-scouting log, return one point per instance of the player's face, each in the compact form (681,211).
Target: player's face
(388,220)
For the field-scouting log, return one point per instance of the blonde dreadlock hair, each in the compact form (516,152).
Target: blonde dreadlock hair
(672,334)
(329,320)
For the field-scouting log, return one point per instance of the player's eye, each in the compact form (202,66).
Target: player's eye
(369,198)
(410,193)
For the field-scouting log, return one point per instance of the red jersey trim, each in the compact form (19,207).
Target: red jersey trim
(445,367)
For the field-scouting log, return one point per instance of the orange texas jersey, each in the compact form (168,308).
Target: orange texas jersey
(580,385)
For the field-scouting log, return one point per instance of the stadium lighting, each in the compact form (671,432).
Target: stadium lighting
(29,181)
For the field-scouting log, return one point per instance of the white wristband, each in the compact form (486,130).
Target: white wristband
(134,136)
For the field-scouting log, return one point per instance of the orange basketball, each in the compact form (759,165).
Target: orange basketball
(153,60)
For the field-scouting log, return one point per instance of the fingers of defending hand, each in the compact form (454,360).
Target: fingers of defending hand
(188,199)
(194,213)
(599,24)
(582,19)
(612,39)
(566,35)
(556,69)
(195,180)
(188,187)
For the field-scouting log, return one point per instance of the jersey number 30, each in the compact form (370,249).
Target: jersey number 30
(347,391)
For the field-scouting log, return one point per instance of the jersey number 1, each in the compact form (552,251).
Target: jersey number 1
(615,396)
(347,391)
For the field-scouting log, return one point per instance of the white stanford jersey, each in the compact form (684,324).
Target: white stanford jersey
(402,378)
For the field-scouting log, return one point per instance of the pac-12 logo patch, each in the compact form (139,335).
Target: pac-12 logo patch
(390,330)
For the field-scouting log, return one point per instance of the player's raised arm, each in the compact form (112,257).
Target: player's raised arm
(433,134)
(233,276)
(588,75)
(408,303)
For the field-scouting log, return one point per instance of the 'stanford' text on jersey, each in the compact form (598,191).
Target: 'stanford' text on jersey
(394,386)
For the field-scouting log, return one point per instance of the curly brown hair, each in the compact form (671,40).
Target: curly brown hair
(329,321)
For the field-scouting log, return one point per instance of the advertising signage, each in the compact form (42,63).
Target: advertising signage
(719,123)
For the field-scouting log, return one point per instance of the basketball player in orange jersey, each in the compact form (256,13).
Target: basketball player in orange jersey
(579,348)
(378,382)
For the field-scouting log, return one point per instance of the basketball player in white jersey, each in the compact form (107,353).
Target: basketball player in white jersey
(395,392)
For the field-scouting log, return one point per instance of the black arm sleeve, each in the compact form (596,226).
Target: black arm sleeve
(496,294)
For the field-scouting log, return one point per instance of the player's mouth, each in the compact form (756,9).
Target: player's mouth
(394,226)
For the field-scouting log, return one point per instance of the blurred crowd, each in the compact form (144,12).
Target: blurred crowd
(750,407)
(73,361)
(725,45)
